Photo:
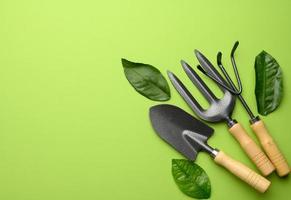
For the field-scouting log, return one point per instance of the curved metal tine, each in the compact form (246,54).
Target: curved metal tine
(198,82)
(230,82)
(234,65)
(186,95)
(217,81)
(207,66)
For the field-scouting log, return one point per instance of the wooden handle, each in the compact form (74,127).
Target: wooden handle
(243,172)
(253,151)
(271,148)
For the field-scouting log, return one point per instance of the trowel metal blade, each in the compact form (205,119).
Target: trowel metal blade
(180,129)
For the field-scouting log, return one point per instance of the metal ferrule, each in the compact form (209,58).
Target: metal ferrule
(231,122)
(214,153)
(254,120)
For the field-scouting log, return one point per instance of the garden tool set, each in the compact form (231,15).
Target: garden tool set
(188,135)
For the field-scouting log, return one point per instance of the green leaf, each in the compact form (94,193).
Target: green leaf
(147,80)
(269,83)
(191,179)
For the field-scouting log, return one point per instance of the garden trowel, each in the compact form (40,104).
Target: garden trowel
(189,136)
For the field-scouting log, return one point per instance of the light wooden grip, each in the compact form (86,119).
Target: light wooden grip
(243,172)
(253,151)
(271,148)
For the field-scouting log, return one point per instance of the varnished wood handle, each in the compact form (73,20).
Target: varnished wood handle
(253,151)
(271,148)
(243,172)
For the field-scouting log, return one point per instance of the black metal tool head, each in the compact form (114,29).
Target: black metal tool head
(219,109)
(185,133)
(231,87)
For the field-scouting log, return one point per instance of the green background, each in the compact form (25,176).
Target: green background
(71,126)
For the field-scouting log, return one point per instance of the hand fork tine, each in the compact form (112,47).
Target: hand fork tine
(199,83)
(187,96)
